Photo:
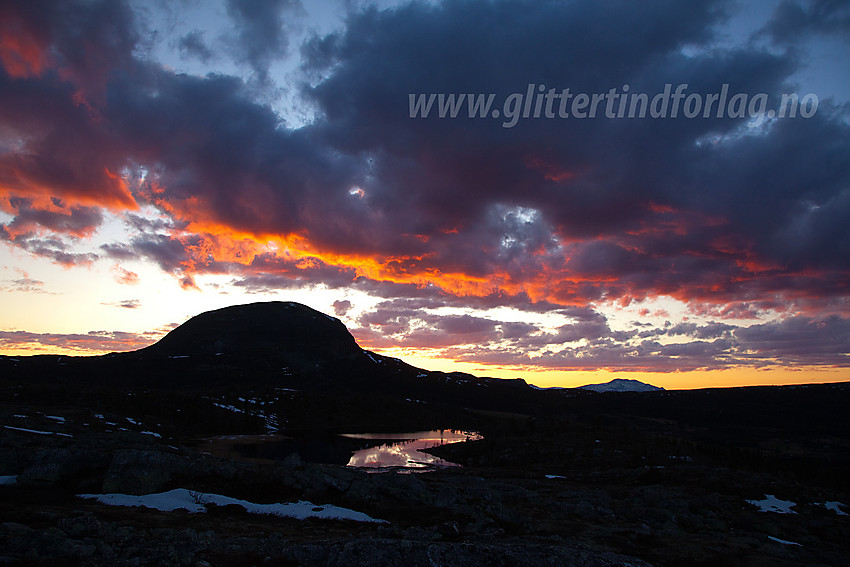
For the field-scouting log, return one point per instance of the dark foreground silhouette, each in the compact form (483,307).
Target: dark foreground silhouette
(561,477)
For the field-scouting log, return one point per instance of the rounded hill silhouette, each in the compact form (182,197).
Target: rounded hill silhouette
(274,330)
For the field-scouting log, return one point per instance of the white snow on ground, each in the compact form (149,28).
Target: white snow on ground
(228,407)
(785,541)
(372,358)
(58,418)
(133,421)
(551,476)
(773,504)
(150,433)
(8,480)
(270,420)
(37,431)
(834,506)
(194,502)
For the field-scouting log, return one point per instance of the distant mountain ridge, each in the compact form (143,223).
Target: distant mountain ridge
(621,385)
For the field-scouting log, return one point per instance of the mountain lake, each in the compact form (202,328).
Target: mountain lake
(372,452)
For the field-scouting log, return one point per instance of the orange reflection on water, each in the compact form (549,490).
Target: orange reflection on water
(407,453)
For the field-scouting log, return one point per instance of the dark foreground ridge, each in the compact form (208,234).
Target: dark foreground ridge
(244,401)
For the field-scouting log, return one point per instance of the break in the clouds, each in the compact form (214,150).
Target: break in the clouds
(571,218)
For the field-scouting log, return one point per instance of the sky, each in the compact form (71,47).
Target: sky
(162,158)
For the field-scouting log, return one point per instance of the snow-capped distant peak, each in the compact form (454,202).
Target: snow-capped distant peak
(621,385)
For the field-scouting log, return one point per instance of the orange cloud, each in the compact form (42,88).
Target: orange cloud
(111,190)
(124,276)
(21,53)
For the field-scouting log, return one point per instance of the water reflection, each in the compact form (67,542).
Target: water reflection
(407,451)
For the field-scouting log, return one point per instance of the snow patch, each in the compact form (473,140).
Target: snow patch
(228,407)
(551,476)
(58,418)
(195,502)
(37,431)
(372,358)
(8,480)
(834,506)
(773,504)
(621,385)
(783,541)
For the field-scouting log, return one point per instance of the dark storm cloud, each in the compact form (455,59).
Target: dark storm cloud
(643,204)
(59,149)
(85,38)
(660,200)
(222,158)
(192,45)
(793,20)
(262,30)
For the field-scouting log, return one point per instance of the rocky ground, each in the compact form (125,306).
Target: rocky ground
(571,490)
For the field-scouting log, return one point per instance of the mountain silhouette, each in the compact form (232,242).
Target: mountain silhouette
(274,330)
(269,344)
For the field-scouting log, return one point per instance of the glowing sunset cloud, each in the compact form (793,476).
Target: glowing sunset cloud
(155,165)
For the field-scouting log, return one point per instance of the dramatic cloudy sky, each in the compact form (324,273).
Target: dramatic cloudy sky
(162,158)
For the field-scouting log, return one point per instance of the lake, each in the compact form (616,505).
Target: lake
(372,452)
(405,450)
